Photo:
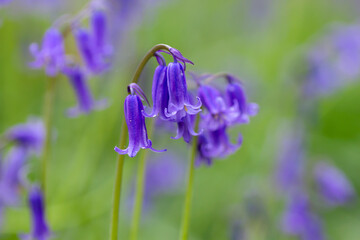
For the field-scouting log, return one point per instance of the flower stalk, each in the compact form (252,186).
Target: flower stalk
(123,138)
(189,189)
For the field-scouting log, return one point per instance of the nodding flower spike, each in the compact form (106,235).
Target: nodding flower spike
(40,229)
(86,102)
(135,120)
(160,92)
(179,99)
(51,56)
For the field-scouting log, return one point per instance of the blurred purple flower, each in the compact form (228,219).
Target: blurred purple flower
(135,120)
(215,144)
(86,102)
(51,56)
(218,114)
(291,163)
(40,229)
(29,135)
(3,2)
(237,98)
(298,219)
(10,175)
(93,45)
(332,184)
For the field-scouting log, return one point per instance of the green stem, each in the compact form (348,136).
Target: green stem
(189,190)
(118,181)
(124,134)
(139,191)
(48,117)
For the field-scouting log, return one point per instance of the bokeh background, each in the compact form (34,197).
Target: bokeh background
(261,42)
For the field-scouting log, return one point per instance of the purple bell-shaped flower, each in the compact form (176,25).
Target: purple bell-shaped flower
(135,120)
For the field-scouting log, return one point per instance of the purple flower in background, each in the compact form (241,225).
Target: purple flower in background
(219,114)
(180,103)
(93,45)
(40,229)
(51,56)
(10,175)
(215,144)
(237,98)
(160,92)
(332,184)
(86,102)
(135,120)
(3,2)
(291,163)
(29,135)
(298,220)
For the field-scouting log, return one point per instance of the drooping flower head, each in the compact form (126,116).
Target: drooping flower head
(160,92)
(333,186)
(29,135)
(237,98)
(216,144)
(180,102)
(93,45)
(51,56)
(40,229)
(86,102)
(135,120)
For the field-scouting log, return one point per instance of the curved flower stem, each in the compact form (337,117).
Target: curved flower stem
(139,190)
(189,190)
(146,58)
(217,75)
(124,134)
(48,117)
(118,181)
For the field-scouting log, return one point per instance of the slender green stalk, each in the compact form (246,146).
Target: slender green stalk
(139,191)
(189,190)
(124,134)
(48,118)
(118,181)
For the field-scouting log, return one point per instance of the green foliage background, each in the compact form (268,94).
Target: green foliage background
(255,44)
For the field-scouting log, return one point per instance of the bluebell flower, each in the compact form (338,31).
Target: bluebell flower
(40,229)
(11,178)
(180,103)
(333,186)
(29,135)
(216,144)
(160,92)
(185,128)
(237,98)
(298,220)
(93,45)
(218,114)
(86,102)
(135,120)
(51,56)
